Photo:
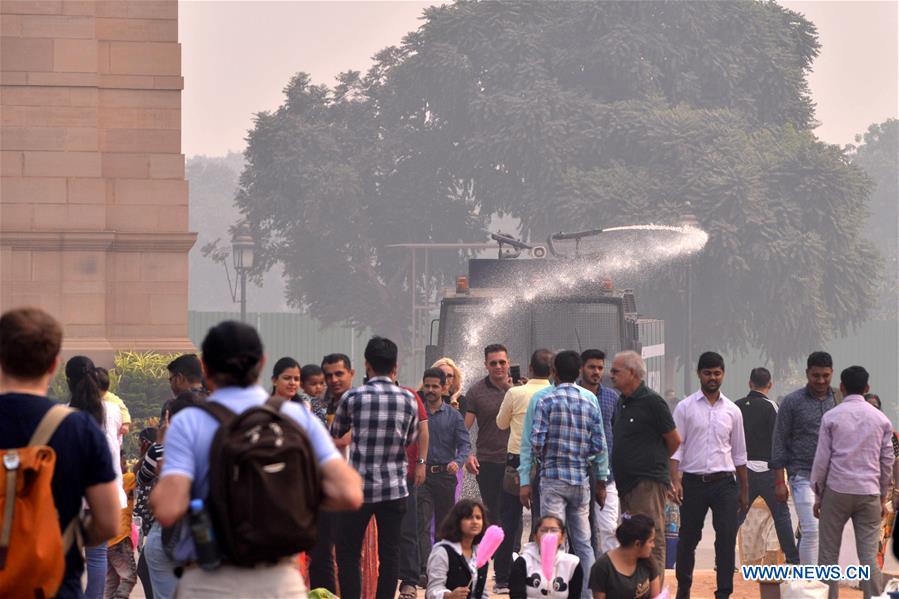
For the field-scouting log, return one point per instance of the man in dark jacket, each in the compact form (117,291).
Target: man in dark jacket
(759,418)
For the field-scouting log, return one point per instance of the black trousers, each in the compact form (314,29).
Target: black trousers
(721,497)
(510,510)
(321,557)
(143,573)
(348,536)
(490,483)
(436,497)
(409,565)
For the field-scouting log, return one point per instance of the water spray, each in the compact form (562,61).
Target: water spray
(566,276)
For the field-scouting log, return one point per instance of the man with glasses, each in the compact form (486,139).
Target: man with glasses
(482,402)
(185,374)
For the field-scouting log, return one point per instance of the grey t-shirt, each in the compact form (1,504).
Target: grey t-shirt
(483,400)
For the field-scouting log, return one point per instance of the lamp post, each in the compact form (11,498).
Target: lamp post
(242,246)
(689,221)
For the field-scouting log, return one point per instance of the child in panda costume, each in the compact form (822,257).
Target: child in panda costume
(526,580)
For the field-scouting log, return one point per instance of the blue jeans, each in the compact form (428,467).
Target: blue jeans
(95,557)
(804,500)
(572,504)
(162,570)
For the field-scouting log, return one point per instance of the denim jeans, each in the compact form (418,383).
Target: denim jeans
(804,500)
(95,558)
(162,570)
(572,504)
(321,557)
(349,535)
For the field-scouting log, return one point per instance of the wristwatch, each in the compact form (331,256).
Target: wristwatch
(419,461)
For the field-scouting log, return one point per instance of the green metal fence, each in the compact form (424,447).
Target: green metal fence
(289,334)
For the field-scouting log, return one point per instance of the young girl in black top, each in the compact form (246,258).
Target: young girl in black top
(628,572)
(526,579)
(452,570)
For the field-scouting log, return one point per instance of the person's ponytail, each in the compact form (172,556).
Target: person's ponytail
(84,386)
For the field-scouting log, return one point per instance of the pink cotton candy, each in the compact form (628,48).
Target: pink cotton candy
(549,544)
(493,538)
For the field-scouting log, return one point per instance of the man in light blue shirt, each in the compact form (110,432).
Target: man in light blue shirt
(232,359)
(528,491)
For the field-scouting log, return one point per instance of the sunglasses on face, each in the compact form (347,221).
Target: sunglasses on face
(498,363)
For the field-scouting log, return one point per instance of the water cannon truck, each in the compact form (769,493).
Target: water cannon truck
(589,314)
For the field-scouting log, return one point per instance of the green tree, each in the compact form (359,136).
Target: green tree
(329,187)
(579,115)
(877,154)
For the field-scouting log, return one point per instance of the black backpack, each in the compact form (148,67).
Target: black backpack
(264,484)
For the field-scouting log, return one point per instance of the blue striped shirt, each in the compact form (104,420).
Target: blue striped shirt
(568,435)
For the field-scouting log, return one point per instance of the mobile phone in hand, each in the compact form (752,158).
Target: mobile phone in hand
(515,373)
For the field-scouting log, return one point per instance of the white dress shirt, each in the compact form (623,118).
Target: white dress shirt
(712,438)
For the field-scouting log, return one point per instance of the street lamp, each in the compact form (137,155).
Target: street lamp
(242,246)
(689,221)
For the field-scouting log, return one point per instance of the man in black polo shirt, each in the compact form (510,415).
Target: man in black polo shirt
(645,437)
(759,417)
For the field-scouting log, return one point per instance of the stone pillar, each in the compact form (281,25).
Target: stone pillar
(93,203)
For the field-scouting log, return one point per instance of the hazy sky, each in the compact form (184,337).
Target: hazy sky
(238,56)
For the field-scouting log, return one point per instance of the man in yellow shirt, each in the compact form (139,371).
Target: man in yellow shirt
(511,416)
(121,576)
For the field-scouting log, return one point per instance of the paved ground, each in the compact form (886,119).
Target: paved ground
(704,576)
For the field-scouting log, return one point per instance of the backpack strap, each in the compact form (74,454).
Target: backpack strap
(48,425)
(217,411)
(275,402)
(45,429)
(73,535)
(11,465)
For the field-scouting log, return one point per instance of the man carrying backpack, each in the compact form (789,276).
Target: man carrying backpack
(383,419)
(41,557)
(261,469)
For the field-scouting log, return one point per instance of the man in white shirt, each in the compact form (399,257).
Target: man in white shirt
(704,473)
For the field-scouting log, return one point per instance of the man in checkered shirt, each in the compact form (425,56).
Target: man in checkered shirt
(383,419)
(568,438)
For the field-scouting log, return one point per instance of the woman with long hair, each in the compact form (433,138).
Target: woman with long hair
(86,395)
(628,572)
(452,566)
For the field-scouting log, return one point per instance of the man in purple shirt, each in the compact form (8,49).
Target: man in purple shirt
(851,476)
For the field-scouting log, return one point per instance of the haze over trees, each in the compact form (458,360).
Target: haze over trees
(574,115)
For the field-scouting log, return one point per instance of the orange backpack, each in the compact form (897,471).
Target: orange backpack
(32,550)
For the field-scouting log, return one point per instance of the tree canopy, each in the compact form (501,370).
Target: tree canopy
(877,154)
(574,115)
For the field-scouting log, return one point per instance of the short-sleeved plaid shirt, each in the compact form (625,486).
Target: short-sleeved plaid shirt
(384,421)
(567,434)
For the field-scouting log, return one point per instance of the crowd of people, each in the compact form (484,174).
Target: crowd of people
(237,479)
